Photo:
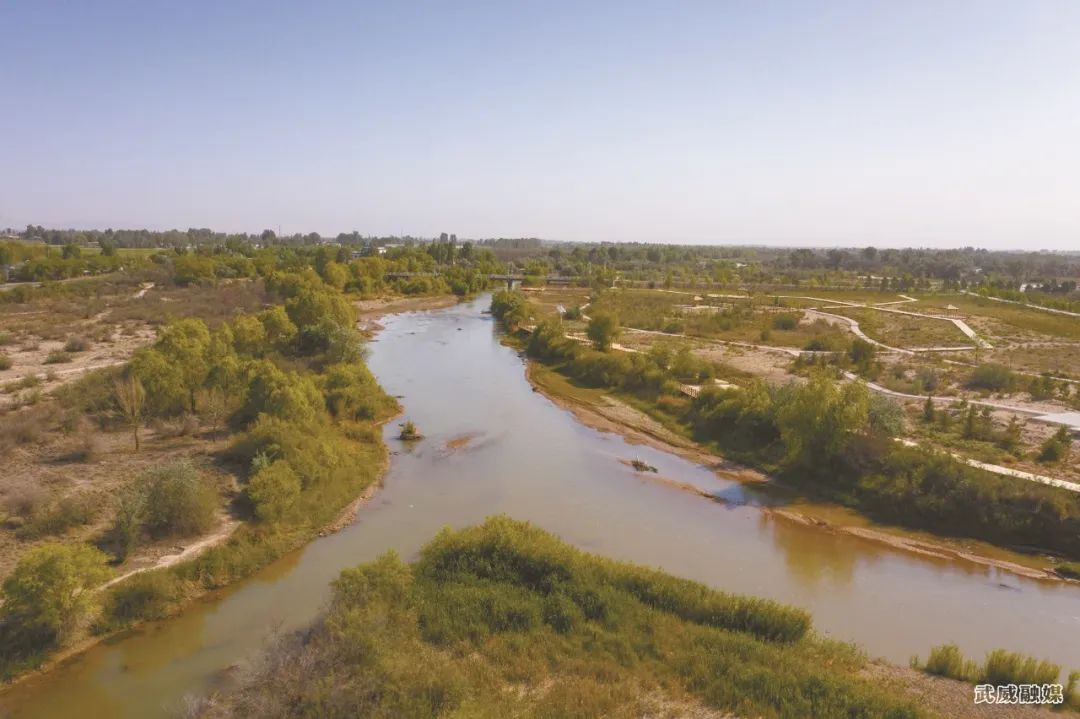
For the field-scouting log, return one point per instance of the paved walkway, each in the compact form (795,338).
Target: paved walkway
(1024,304)
(1007,471)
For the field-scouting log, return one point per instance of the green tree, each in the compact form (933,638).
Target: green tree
(224,368)
(862,354)
(279,394)
(313,305)
(885,416)
(273,490)
(1057,448)
(280,330)
(250,334)
(162,380)
(186,344)
(816,422)
(130,399)
(179,502)
(50,587)
(603,330)
(1010,437)
(336,275)
(928,410)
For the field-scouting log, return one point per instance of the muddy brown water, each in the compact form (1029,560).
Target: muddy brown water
(534,461)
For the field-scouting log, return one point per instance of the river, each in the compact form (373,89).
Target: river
(532,460)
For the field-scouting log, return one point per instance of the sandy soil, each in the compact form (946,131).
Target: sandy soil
(373,309)
(770,366)
(29,358)
(51,467)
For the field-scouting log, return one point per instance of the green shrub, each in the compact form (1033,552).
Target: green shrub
(273,490)
(992,377)
(58,357)
(179,502)
(76,343)
(353,393)
(50,588)
(1000,667)
(785,321)
(71,511)
(5,361)
(947,661)
(512,308)
(1069,569)
(1056,448)
(1003,667)
(147,595)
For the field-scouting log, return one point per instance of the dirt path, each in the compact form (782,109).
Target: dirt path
(189,552)
(1007,471)
(881,307)
(1027,305)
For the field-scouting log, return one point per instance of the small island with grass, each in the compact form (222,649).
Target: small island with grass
(409,432)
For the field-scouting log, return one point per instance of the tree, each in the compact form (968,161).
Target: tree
(274,392)
(50,587)
(1057,448)
(1010,437)
(885,416)
(818,419)
(336,275)
(273,490)
(603,330)
(179,503)
(280,330)
(130,398)
(186,343)
(862,354)
(162,380)
(928,410)
(511,307)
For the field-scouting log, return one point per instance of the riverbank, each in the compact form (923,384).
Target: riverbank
(601,411)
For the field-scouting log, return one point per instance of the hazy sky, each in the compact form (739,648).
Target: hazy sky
(903,123)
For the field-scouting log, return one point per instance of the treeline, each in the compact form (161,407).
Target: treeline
(439,267)
(887,269)
(505,620)
(22,262)
(658,371)
(290,383)
(1044,293)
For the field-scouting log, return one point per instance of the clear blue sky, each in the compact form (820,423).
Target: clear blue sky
(950,122)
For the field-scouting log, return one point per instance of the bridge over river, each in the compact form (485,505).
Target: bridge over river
(512,280)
